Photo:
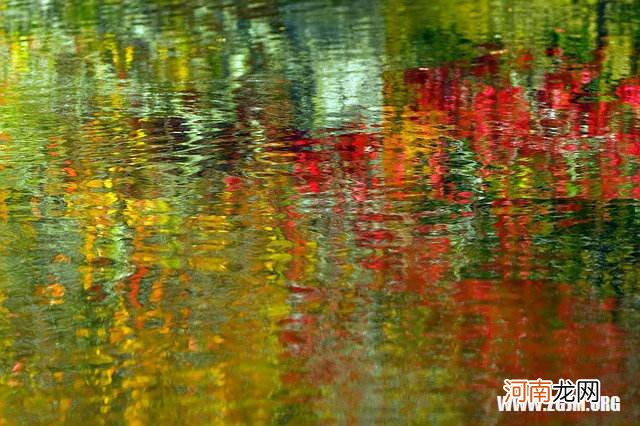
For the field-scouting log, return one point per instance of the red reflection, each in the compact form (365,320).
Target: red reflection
(525,146)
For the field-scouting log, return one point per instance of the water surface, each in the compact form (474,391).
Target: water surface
(316,212)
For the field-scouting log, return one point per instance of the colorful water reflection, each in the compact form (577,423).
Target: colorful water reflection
(315,212)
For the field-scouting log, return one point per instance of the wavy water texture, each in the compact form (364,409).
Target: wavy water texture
(317,212)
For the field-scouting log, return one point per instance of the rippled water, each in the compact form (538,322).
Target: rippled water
(317,212)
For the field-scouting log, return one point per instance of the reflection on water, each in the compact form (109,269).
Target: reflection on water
(315,212)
